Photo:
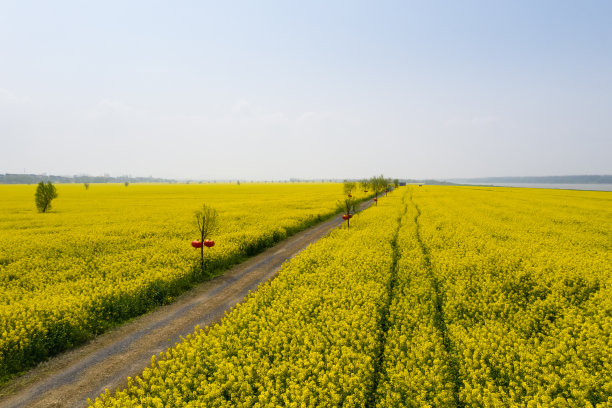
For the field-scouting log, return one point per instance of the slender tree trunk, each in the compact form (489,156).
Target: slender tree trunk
(202,252)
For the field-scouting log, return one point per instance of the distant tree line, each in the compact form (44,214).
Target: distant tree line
(36,178)
(586,179)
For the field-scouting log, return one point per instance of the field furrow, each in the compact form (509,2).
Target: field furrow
(417,364)
(526,294)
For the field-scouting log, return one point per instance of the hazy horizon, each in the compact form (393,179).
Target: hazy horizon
(324,179)
(271,90)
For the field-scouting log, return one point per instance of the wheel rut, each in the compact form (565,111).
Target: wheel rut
(384,319)
(439,320)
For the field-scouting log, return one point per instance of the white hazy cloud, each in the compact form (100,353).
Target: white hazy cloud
(8,98)
(242,107)
(108,107)
(317,116)
(475,121)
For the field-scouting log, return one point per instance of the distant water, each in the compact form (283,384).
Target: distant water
(597,187)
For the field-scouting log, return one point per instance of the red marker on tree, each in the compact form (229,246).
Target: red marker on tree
(206,221)
(349,206)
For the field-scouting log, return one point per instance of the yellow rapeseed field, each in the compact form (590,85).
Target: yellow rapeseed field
(308,338)
(438,297)
(524,278)
(112,252)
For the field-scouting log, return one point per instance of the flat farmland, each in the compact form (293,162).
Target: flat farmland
(111,252)
(438,296)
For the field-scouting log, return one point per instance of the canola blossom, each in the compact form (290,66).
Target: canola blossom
(109,253)
(437,297)
(525,279)
(415,370)
(306,338)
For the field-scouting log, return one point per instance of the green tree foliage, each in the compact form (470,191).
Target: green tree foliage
(378,184)
(364,184)
(348,206)
(43,196)
(349,187)
(206,220)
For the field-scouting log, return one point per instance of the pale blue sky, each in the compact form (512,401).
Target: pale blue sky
(272,90)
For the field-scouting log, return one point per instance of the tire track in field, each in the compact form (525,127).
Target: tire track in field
(439,320)
(384,319)
(68,380)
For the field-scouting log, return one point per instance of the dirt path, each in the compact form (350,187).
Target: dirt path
(106,362)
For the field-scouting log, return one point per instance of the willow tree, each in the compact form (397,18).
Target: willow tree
(349,187)
(365,185)
(378,185)
(45,193)
(350,207)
